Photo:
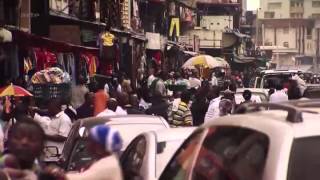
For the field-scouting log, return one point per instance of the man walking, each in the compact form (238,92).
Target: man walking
(182,117)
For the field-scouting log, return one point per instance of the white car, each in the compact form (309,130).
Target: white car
(148,154)
(278,144)
(75,155)
(259,95)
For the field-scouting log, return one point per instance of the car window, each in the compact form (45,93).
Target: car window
(304,159)
(132,158)
(312,93)
(80,157)
(181,164)
(231,153)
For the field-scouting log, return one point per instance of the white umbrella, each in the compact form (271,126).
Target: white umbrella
(206,61)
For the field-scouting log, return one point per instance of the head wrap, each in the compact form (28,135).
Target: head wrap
(107,137)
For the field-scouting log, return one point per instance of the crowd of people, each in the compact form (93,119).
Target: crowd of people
(182,98)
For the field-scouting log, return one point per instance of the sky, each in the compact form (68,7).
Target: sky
(253,4)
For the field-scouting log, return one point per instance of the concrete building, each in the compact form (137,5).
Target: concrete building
(216,24)
(290,28)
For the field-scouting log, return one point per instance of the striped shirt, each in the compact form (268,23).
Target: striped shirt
(182,117)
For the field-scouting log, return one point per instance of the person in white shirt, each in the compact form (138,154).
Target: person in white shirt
(57,125)
(213,109)
(151,77)
(278,96)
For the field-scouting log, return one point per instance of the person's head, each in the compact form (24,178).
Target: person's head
(227,94)
(247,95)
(194,73)
(214,92)
(104,141)
(89,98)
(123,99)
(82,80)
(26,141)
(20,111)
(134,100)
(112,104)
(225,107)
(177,75)
(185,96)
(279,86)
(54,106)
(151,71)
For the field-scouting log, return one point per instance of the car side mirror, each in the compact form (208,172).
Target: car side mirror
(51,151)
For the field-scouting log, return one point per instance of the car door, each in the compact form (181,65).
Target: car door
(226,153)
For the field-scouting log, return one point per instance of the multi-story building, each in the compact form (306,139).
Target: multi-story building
(215,26)
(290,28)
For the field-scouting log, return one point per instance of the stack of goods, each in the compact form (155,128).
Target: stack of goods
(51,75)
(51,83)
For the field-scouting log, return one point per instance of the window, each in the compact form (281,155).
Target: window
(285,44)
(316,15)
(303,163)
(132,158)
(286,30)
(180,166)
(309,33)
(268,43)
(274,5)
(269,15)
(226,153)
(80,157)
(231,153)
(315,3)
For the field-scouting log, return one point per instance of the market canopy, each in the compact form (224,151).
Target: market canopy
(205,61)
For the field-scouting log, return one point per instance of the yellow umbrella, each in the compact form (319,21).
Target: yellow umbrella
(13,90)
(205,61)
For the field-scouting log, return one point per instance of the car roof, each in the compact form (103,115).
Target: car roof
(271,121)
(125,120)
(253,90)
(173,134)
(267,72)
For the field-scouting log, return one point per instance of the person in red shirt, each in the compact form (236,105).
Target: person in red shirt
(100,99)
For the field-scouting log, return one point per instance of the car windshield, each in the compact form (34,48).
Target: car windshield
(227,153)
(269,81)
(304,157)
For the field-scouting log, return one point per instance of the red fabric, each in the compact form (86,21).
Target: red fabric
(157,57)
(45,59)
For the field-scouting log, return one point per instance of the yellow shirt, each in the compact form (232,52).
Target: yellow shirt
(107,39)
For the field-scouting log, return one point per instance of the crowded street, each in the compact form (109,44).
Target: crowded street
(159,90)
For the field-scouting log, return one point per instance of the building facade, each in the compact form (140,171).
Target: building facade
(290,28)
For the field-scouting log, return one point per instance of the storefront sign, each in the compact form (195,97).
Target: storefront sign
(153,41)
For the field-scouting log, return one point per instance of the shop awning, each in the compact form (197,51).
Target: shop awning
(27,39)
